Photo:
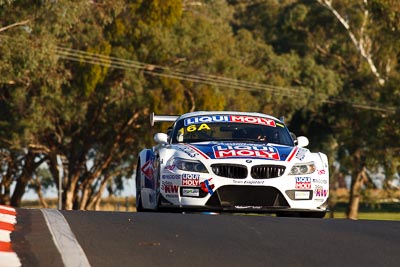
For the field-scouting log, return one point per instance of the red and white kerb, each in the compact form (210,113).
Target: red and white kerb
(8,219)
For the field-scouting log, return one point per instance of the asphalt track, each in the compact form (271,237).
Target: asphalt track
(174,239)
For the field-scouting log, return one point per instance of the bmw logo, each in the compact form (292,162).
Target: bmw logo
(249,161)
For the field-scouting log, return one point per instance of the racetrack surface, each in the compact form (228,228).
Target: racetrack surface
(175,239)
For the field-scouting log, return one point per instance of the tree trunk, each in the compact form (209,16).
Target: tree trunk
(355,191)
(27,174)
(5,185)
(358,178)
(19,190)
(5,195)
(95,200)
(85,197)
(68,193)
(39,192)
(42,200)
(97,205)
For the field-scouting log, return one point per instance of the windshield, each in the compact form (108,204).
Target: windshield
(235,128)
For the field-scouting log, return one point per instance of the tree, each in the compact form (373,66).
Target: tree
(84,114)
(346,49)
(366,33)
(24,75)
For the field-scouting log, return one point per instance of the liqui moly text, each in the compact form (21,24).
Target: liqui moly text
(230,118)
(229,151)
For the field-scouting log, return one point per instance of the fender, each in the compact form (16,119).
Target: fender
(165,154)
(324,161)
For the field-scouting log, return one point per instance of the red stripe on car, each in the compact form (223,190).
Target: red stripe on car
(289,158)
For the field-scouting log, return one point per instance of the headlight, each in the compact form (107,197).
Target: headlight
(302,168)
(189,165)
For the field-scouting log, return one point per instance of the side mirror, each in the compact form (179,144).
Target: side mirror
(161,138)
(302,141)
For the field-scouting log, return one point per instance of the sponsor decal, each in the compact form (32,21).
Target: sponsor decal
(253,182)
(321,172)
(189,179)
(230,151)
(302,195)
(301,153)
(192,153)
(198,151)
(205,119)
(169,188)
(247,182)
(248,207)
(319,181)
(207,186)
(254,120)
(170,167)
(320,191)
(229,118)
(171,176)
(148,169)
(303,183)
(190,192)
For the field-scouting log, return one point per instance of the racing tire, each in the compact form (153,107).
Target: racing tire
(158,186)
(139,206)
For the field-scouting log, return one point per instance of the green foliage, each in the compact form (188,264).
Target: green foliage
(79,79)
(95,74)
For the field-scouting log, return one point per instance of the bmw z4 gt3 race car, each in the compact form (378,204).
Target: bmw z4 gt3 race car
(231,161)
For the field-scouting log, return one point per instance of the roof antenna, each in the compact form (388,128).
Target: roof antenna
(282,119)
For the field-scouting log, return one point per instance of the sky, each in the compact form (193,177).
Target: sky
(129,191)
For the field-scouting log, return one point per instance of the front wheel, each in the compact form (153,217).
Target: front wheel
(139,206)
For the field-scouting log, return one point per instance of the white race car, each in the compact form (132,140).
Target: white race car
(231,161)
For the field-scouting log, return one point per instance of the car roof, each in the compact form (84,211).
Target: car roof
(210,113)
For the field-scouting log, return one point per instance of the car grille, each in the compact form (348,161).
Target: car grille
(231,195)
(230,170)
(267,171)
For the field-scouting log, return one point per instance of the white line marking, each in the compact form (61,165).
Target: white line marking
(71,252)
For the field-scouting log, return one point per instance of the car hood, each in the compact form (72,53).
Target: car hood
(226,150)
